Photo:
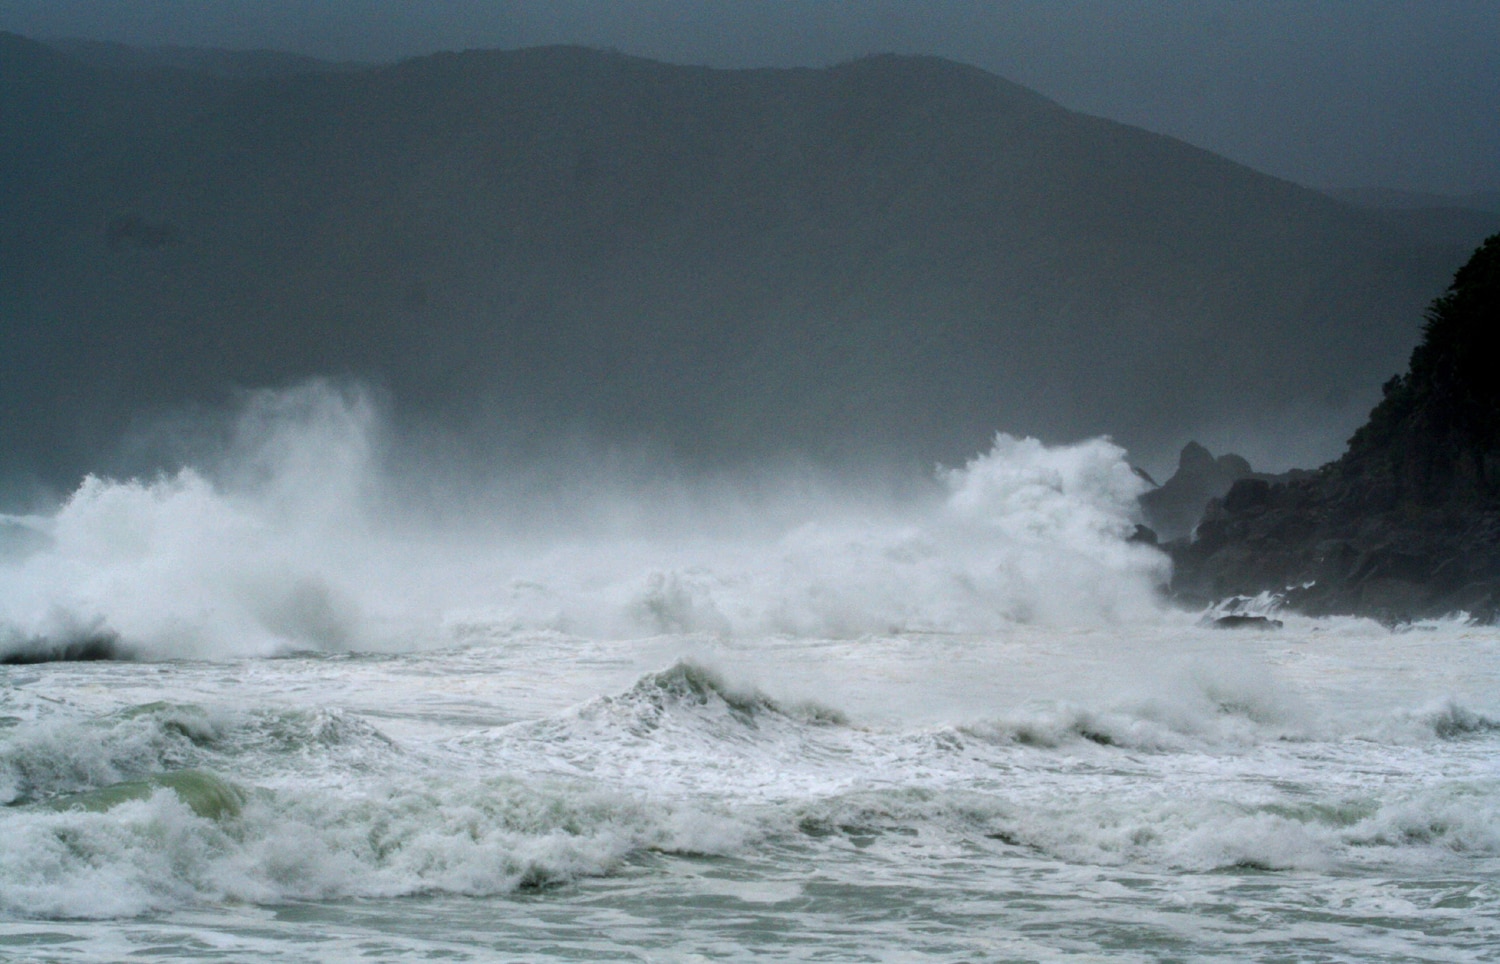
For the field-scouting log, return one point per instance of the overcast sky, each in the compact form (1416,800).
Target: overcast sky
(1392,93)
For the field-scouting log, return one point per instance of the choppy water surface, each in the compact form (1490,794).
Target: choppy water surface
(957,726)
(1331,795)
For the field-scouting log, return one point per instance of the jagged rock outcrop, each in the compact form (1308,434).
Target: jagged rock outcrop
(1407,523)
(1174,507)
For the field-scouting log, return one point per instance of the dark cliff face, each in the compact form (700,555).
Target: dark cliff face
(1407,523)
(1435,436)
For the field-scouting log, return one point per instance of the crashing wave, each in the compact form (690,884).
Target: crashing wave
(285,545)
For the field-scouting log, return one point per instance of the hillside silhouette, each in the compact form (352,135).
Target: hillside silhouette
(1407,523)
(888,259)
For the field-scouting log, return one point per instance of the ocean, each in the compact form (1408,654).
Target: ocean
(611,717)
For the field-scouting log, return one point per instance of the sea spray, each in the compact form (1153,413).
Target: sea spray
(257,557)
(291,539)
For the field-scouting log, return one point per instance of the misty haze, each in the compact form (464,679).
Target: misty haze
(673,482)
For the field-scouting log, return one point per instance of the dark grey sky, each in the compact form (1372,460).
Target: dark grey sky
(1392,93)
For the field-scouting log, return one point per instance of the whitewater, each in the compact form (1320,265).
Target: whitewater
(344,703)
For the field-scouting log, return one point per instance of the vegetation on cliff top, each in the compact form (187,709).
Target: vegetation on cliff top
(1407,524)
(1437,429)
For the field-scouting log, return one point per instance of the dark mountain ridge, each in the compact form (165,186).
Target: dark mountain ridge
(1407,523)
(1462,219)
(1392,199)
(892,258)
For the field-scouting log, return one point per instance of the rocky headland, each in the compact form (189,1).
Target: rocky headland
(1174,508)
(1406,525)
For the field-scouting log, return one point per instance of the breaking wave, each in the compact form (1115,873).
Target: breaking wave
(298,539)
(167,805)
(170,846)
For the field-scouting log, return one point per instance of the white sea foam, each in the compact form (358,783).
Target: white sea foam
(257,563)
(967,695)
(391,839)
(59,755)
(1211,773)
(292,541)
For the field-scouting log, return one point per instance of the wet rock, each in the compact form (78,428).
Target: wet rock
(1405,526)
(1174,507)
(1247,494)
(1238,621)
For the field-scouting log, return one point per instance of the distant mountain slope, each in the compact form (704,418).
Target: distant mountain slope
(1376,197)
(1467,219)
(892,258)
